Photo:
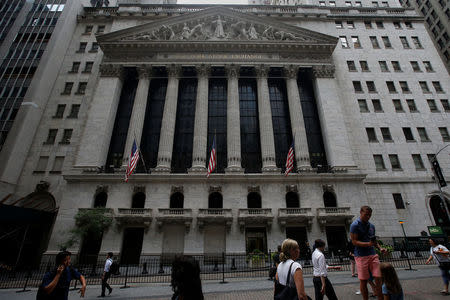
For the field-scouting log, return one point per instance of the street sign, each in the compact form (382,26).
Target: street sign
(435,230)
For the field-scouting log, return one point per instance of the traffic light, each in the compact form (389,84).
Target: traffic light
(438,172)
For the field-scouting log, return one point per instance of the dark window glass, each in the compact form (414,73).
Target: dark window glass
(398,200)
(59,111)
(152,124)
(100,199)
(250,143)
(217,122)
(281,121)
(184,127)
(138,200)
(254,200)
(329,199)
(312,122)
(177,200)
(215,200)
(122,122)
(292,200)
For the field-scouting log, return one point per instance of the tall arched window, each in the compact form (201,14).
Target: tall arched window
(329,199)
(138,200)
(292,200)
(100,199)
(253,200)
(438,210)
(215,200)
(177,200)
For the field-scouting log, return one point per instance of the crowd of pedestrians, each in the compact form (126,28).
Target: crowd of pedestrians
(286,271)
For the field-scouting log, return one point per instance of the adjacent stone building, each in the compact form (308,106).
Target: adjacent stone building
(360,92)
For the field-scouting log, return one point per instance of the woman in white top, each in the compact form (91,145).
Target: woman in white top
(440,255)
(290,252)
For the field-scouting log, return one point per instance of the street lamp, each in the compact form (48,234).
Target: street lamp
(406,246)
(439,179)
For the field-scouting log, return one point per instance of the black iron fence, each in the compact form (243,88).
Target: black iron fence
(157,268)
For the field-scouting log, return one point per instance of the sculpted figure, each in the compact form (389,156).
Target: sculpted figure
(282,36)
(252,32)
(167,32)
(268,33)
(219,32)
(238,30)
(186,32)
(197,31)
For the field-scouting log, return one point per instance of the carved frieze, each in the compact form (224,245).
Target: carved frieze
(324,71)
(232,71)
(203,70)
(139,189)
(291,188)
(176,189)
(291,71)
(42,186)
(254,189)
(110,70)
(262,70)
(174,70)
(144,71)
(215,188)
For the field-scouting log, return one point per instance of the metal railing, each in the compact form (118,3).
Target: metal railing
(134,211)
(333,210)
(255,211)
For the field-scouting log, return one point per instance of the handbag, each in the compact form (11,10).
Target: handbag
(286,292)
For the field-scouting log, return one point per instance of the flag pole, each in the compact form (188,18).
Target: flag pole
(140,153)
(215,141)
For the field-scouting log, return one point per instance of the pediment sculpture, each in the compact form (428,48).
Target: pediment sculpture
(216,28)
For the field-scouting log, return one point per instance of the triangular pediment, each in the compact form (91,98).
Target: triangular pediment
(217,25)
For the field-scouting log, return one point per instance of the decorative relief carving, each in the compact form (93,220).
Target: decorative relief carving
(173,70)
(291,71)
(101,189)
(176,189)
(139,189)
(144,71)
(291,188)
(42,186)
(328,188)
(323,71)
(232,71)
(262,70)
(217,28)
(215,188)
(110,70)
(254,188)
(203,70)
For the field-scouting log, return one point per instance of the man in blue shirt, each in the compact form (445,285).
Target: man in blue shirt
(56,283)
(362,234)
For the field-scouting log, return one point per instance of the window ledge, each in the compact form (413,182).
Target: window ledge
(64,93)
(93,51)
(57,117)
(397,169)
(54,172)
(426,141)
(86,72)
(411,141)
(72,72)
(388,141)
(72,117)
(64,143)
(47,143)
(38,172)
(421,169)
(381,170)
(80,51)
(78,93)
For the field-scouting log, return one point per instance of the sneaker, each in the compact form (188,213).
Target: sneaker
(110,291)
(358,292)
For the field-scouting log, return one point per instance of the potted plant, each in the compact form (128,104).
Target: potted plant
(256,259)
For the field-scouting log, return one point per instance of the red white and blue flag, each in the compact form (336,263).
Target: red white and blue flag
(212,158)
(132,162)
(290,160)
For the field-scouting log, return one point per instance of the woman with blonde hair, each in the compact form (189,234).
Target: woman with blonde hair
(289,274)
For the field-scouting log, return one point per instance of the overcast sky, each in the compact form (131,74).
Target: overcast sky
(212,2)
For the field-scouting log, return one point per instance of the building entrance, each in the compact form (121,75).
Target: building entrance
(299,234)
(132,245)
(337,240)
(255,239)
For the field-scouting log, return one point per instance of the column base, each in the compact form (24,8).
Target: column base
(234,169)
(304,169)
(271,169)
(161,169)
(197,169)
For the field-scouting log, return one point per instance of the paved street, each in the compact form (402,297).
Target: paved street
(423,284)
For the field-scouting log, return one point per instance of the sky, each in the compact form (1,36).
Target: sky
(212,2)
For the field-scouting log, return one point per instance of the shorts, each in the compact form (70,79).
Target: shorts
(364,264)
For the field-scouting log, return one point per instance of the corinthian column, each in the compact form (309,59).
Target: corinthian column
(168,121)
(297,122)
(265,121)
(201,120)
(233,121)
(138,113)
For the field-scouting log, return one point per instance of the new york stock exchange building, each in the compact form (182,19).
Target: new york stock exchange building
(339,83)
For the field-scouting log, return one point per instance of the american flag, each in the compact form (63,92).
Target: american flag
(290,160)
(134,157)
(212,158)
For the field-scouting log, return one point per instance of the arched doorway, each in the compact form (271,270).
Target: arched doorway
(329,199)
(439,213)
(215,200)
(177,200)
(292,200)
(100,199)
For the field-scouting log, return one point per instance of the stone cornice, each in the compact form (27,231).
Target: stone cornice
(323,71)
(110,70)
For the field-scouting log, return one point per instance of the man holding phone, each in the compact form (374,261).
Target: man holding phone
(362,234)
(57,282)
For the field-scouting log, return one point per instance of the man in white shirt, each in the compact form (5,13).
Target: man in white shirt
(106,274)
(322,286)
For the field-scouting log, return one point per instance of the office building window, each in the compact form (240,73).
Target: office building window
(356,42)
(384,4)
(415,66)
(75,67)
(74,111)
(418,162)
(386,42)
(357,86)
(332,3)
(397,105)
(404,42)
(94,47)
(411,105)
(374,41)
(350,25)
(383,66)
(88,29)
(363,107)
(445,105)
(424,87)
(386,133)
(81,88)
(351,66)
(339,24)
(57,165)
(67,135)
(398,201)
(408,134)
(364,66)
(368,24)
(416,42)
(379,24)
(379,162)
(344,42)
(59,111)
(404,86)
(397,25)
(88,67)
(371,87)
(67,88)
(82,47)
(348,3)
(437,87)
(395,162)
(100,29)
(321,3)
(396,66)
(428,66)
(371,135)
(423,134)
(358,3)
(432,105)
(391,87)
(375,4)
(444,133)
(377,105)
(409,25)
(51,136)
(41,164)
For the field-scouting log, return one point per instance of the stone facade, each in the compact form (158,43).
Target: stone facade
(145,37)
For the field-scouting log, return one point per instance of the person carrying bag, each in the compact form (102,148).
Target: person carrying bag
(289,277)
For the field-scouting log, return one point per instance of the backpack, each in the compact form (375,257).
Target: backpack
(114,268)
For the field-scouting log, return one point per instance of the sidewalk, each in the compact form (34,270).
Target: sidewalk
(423,284)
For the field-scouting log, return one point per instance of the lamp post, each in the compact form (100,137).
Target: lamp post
(406,247)
(439,179)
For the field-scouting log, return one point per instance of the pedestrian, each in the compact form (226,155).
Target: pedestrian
(391,288)
(351,256)
(372,285)
(322,285)
(441,256)
(308,253)
(362,233)
(290,252)
(186,282)
(276,261)
(106,274)
(55,284)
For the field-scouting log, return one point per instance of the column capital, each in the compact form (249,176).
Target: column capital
(144,71)
(232,71)
(291,71)
(323,71)
(262,71)
(203,70)
(111,70)
(173,70)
